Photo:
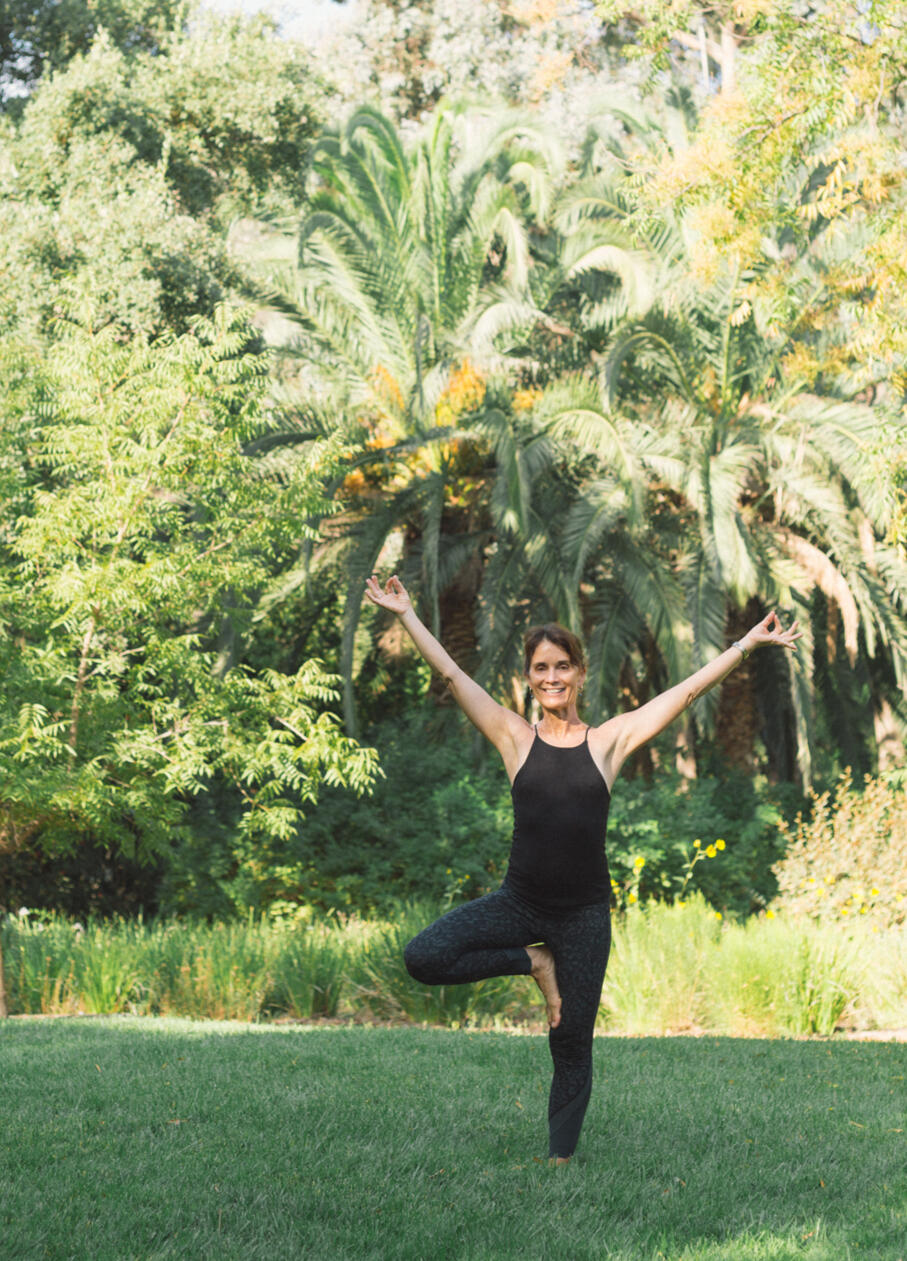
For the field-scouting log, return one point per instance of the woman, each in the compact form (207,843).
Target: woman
(557,887)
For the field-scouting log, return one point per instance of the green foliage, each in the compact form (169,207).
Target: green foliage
(661,821)
(112,245)
(678,967)
(559,399)
(125,169)
(411,287)
(673,968)
(46,35)
(408,57)
(433,828)
(437,828)
(691,458)
(225,110)
(137,538)
(848,856)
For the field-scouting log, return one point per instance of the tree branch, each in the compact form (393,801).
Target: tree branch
(81,678)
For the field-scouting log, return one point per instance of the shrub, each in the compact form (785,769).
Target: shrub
(661,822)
(850,857)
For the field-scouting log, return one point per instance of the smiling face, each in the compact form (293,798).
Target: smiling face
(555,680)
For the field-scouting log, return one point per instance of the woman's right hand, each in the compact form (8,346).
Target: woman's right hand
(393,597)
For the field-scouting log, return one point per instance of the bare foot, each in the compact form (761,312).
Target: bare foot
(544,976)
(558,1160)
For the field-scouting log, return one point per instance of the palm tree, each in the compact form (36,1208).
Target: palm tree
(565,422)
(760,494)
(410,293)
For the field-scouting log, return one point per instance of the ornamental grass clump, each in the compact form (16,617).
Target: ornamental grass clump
(308,974)
(850,858)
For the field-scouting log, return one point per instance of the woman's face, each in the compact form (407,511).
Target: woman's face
(554,679)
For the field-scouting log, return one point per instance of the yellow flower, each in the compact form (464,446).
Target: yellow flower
(632,898)
(697,843)
(681,903)
(718,915)
(639,863)
(769,914)
(525,400)
(844,910)
(874,892)
(711,851)
(863,910)
(719,844)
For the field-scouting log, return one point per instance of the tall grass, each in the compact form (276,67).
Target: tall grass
(680,968)
(674,969)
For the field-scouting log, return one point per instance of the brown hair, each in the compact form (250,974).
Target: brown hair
(557,635)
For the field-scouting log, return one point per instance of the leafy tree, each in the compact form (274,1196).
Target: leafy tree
(113,246)
(407,57)
(126,167)
(48,34)
(226,110)
(780,157)
(135,514)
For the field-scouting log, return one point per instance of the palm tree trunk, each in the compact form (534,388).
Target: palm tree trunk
(457,608)
(737,720)
(888,738)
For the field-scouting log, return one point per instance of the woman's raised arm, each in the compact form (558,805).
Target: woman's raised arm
(501,726)
(635,728)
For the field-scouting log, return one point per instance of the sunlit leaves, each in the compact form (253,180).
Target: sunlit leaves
(133,556)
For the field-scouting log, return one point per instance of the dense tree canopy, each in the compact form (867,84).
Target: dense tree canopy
(36,37)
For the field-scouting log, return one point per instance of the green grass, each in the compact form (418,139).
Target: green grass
(127,1137)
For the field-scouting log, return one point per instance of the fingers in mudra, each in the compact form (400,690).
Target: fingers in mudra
(771,631)
(392,596)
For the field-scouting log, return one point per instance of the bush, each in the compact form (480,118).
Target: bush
(435,828)
(850,857)
(661,821)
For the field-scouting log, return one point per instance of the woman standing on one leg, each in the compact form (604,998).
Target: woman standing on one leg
(557,888)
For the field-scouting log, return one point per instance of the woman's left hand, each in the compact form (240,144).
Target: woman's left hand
(770,631)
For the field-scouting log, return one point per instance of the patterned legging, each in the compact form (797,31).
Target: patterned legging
(488,937)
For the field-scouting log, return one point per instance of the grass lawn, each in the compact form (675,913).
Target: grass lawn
(133,1137)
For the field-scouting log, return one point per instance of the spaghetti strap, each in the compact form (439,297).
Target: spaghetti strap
(586,737)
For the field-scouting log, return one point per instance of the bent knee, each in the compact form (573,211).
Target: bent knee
(420,962)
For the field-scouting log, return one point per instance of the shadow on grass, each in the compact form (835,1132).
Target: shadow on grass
(142,1138)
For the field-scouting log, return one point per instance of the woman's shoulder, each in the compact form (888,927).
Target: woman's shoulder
(606,732)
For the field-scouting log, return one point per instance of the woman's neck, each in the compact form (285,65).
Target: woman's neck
(560,726)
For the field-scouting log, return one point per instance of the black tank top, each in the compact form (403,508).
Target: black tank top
(560,815)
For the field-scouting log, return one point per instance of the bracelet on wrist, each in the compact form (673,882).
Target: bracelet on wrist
(745,651)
